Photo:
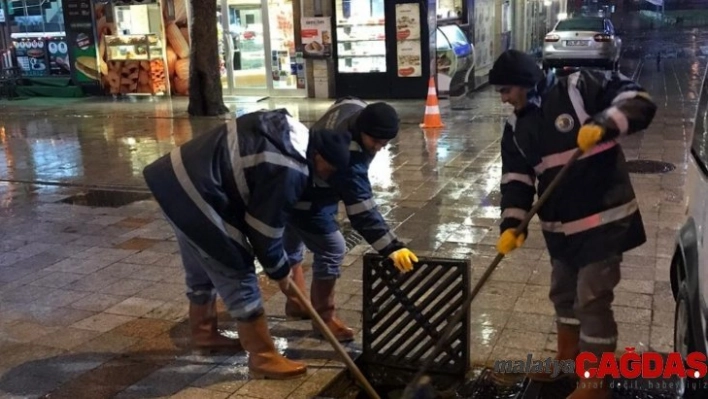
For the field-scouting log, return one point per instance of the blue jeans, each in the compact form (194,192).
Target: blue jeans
(328,250)
(205,277)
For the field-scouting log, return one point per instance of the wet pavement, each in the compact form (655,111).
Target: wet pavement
(92,298)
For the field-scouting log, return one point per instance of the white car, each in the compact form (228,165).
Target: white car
(582,42)
(689,266)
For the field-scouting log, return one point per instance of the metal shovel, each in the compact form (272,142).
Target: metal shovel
(416,384)
(333,341)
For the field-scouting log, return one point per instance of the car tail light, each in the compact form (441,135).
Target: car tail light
(603,38)
(552,38)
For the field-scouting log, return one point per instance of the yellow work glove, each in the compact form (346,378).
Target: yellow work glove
(403,259)
(589,135)
(509,241)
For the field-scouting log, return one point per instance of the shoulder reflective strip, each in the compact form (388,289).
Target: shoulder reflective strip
(303,206)
(348,101)
(600,219)
(384,241)
(552,227)
(569,321)
(598,340)
(361,207)
(299,135)
(266,230)
(433,109)
(354,146)
(275,159)
(519,148)
(511,120)
(236,161)
(576,98)
(516,213)
(561,158)
(509,177)
(625,95)
(619,118)
(207,210)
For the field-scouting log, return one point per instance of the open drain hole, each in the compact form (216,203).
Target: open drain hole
(649,167)
(106,198)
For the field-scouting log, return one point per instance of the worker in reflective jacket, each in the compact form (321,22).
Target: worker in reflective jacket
(314,225)
(227,194)
(592,217)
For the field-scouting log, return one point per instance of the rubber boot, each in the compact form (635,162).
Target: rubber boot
(568,349)
(293,307)
(205,335)
(323,302)
(264,361)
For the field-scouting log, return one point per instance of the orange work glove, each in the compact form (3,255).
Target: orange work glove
(589,135)
(403,259)
(509,241)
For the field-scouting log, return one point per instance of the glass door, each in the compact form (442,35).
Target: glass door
(247,34)
(259,47)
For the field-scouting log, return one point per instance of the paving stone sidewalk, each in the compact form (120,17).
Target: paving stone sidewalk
(92,298)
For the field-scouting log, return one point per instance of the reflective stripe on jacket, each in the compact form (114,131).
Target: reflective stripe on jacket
(230,191)
(593,214)
(319,204)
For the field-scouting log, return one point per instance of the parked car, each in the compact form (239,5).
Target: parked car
(582,42)
(689,266)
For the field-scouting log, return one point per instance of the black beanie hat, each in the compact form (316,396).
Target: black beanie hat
(378,120)
(333,146)
(515,68)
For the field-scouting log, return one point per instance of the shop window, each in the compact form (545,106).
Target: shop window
(38,37)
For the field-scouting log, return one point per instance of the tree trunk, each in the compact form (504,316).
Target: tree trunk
(205,91)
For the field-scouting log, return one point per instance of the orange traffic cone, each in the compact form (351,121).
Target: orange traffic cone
(432,118)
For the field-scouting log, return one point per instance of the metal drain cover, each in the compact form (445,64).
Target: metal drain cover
(106,198)
(649,167)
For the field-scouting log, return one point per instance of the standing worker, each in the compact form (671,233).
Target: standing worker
(592,217)
(227,194)
(314,223)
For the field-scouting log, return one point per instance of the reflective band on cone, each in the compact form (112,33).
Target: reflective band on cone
(432,117)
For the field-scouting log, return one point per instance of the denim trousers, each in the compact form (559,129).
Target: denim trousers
(328,250)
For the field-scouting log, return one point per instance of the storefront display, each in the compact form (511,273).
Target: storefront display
(81,43)
(382,48)
(259,47)
(485,13)
(316,37)
(455,61)
(408,43)
(143,48)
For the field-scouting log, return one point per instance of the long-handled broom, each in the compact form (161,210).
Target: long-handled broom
(419,383)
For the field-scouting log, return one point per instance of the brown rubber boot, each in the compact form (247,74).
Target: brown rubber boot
(568,349)
(264,361)
(205,335)
(323,302)
(293,307)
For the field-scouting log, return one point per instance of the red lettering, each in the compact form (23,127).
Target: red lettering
(631,364)
(580,368)
(674,366)
(608,366)
(696,363)
(652,363)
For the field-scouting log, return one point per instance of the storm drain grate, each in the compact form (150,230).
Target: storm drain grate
(649,167)
(106,198)
(351,237)
(405,314)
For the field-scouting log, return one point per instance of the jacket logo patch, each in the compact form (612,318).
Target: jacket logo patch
(565,123)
